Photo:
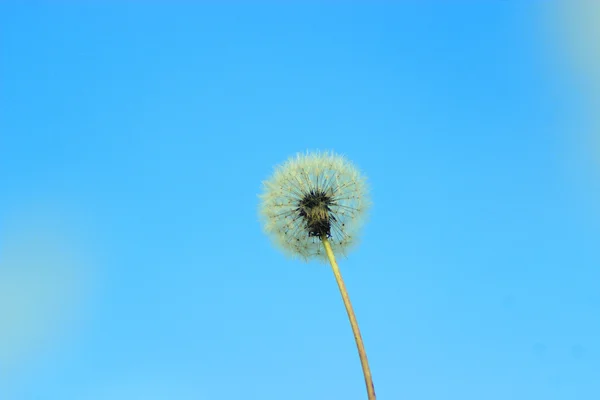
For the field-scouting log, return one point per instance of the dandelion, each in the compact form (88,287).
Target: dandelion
(313,205)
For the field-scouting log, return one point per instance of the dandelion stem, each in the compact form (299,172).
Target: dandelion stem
(357,337)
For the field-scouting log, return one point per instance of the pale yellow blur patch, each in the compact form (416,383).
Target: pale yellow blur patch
(571,35)
(41,286)
(574,33)
(578,22)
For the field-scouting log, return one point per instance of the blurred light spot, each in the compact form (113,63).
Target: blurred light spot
(577,22)
(41,279)
(574,36)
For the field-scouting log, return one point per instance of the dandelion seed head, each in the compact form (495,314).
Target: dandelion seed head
(311,195)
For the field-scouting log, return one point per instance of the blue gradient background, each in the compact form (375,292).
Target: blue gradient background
(133,141)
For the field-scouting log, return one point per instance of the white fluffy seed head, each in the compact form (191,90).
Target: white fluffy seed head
(314,194)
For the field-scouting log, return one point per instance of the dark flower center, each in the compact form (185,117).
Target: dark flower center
(314,209)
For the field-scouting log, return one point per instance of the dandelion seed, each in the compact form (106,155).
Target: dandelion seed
(312,195)
(312,205)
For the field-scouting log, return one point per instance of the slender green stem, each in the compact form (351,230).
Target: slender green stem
(357,337)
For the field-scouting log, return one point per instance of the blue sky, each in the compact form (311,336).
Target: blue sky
(133,142)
